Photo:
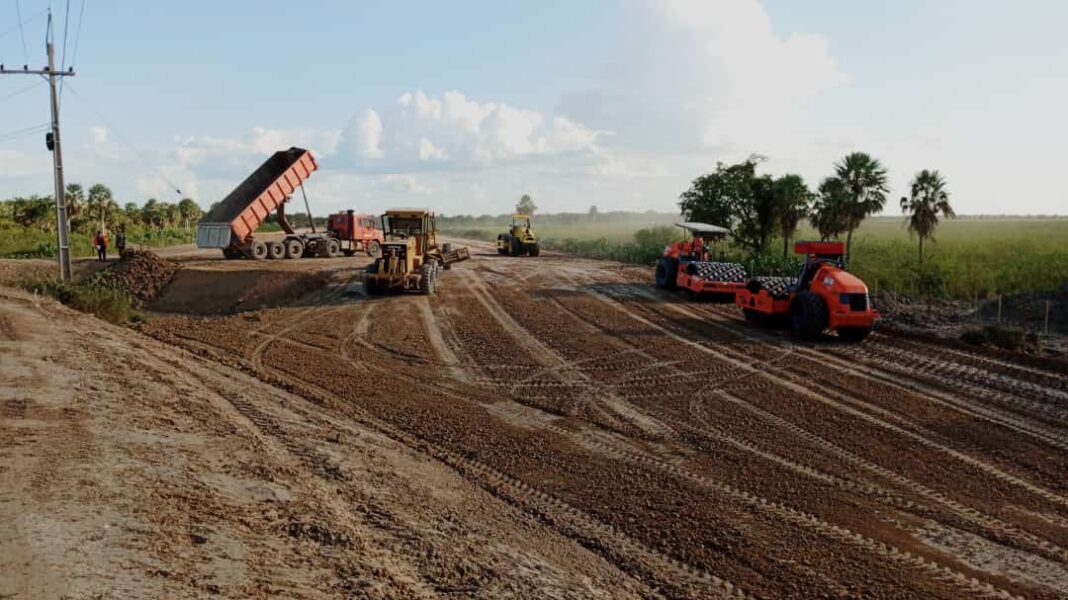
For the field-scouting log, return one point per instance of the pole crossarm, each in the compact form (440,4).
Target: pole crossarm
(46,72)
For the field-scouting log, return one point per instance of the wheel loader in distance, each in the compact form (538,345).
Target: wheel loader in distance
(520,239)
(411,258)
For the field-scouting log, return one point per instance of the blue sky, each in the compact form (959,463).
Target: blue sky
(464,106)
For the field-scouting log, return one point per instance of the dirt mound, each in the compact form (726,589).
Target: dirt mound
(140,273)
(208,292)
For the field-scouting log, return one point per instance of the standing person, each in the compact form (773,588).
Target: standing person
(100,241)
(120,240)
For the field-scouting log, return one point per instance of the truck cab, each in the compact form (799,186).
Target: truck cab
(357,232)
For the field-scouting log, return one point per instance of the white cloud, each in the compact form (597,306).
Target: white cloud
(704,74)
(98,135)
(454,132)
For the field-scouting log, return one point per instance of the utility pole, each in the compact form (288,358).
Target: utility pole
(52,141)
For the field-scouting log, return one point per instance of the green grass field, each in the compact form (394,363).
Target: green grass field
(970,256)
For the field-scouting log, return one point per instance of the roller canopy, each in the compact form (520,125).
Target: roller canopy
(703,228)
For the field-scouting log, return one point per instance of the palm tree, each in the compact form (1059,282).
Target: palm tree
(75,201)
(928,199)
(100,201)
(865,181)
(793,200)
(828,211)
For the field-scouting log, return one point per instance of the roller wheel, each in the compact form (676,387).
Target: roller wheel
(752,316)
(535,250)
(808,315)
(259,250)
(853,334)
(276,250)
(666,271)
(517,247)
(374,250)
(294,249)
(428,279)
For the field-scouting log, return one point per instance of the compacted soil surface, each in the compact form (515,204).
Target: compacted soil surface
(541,427)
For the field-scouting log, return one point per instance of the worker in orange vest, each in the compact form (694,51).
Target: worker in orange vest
(100,242)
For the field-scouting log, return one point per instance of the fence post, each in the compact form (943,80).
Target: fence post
(999,309)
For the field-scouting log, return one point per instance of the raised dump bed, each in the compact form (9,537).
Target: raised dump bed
(233,222)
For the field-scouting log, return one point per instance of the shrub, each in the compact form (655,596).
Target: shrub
(105,302)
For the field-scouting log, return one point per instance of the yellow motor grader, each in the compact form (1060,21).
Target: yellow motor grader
(411,259)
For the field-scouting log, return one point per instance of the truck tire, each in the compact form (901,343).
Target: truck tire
(534,250)
(428,275)
(374,250)
(667,269)
(853,334)
(259,250)
(293,249)
(276,250)
(333,248)
(230,253)
(808,315)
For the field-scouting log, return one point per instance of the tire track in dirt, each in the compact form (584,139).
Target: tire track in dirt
(877,416)
(997,530)
(754,502)
(627,553)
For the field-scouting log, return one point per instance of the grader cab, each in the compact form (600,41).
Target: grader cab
(411,258)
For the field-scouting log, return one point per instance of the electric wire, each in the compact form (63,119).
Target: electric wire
(25,132)
(78,34)
(22,90)
(129,145)
(66,28)
(22,31)
(29,20)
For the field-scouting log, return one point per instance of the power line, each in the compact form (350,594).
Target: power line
(126,142)
(22,32)
(24,132)
(66,28)
(78,34)
(15,28)
(17,92)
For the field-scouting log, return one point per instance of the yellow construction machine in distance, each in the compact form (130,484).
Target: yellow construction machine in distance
(520,239)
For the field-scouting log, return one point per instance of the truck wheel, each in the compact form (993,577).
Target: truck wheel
(808,315)
(333,248)
(853,334)
(276,250)
(667,270)
(259,250)
(427,279)
(230,253)
(374,250)
(534,250)
(293,249)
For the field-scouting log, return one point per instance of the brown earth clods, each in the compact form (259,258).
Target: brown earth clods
(542,427)
(140,273)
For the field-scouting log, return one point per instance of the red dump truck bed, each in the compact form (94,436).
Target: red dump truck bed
(236,218)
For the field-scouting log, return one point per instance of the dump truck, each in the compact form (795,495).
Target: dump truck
(686,265)
(232,223)
(411,258)
(519,240)
(824,296)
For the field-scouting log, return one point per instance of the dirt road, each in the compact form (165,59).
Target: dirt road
(555,427)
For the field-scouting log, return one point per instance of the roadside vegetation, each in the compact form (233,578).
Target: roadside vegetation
(926,251)
(28,224)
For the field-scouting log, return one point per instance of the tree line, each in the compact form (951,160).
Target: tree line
(757,208)
(95,209)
